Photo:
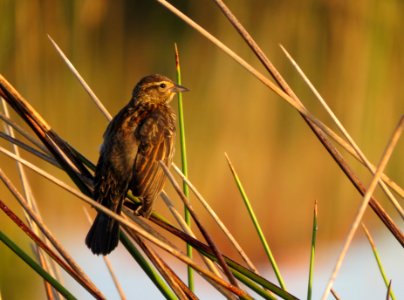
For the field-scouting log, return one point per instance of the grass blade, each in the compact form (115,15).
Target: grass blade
(184,162)
(147,268)
(256,224)
(34,265)
(378,260)
(313,249)
(253,285)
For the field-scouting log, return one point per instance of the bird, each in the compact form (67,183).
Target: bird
(140,136)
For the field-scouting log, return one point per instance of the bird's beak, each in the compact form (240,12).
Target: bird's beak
(179,89)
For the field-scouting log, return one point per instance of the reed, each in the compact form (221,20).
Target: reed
(149,242)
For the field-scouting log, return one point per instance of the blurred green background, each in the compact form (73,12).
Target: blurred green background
(352,51)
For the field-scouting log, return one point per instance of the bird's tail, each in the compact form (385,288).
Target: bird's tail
(103,235)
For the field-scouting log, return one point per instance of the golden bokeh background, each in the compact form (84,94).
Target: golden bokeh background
(352,51)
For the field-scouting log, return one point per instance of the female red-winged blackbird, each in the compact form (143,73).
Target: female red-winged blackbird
(138,137)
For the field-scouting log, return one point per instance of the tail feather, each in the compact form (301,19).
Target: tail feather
(103,236)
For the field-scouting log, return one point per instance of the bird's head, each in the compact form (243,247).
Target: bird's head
(156,89)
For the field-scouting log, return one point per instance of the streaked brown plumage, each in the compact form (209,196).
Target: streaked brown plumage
(138,137)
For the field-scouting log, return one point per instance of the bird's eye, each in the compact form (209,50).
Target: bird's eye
(163,85)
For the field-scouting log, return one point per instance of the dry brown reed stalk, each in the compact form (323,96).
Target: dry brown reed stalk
(45,263)
(69,161)
(388,291)
(335,295)
(148,227)
(39,246)
(283,84)
(151,230)
(50,292)
(27,148)
(22,132)
(379,170)
(71,267)
(81,80)
(358,152)
(317,126)
(352,147)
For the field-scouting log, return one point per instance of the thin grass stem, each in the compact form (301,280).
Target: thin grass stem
(378,260)
(35,266)
(24,133)
(312,252)
(253,285)
(82,81)
(29,149)
(257,226)
(147,268)
(184,161)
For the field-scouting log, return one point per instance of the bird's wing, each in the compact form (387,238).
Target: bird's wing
(114,168)
(156,143)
